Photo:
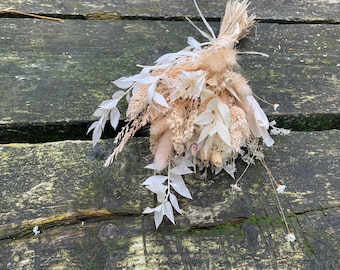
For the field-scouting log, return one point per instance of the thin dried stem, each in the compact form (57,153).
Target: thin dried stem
(29,15)
(273,182)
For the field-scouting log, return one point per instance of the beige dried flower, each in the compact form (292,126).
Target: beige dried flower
(201,111)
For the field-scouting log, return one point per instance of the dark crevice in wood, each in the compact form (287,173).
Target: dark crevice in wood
(118,16)
(317,210)
(76,130)
(73,218)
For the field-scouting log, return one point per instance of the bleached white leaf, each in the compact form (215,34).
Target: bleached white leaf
(161,197)
(149,210)
(93,125)
(259,114)
(118,95)
(224,111)
(174,202)
(158,98)
(212,130)
(144,78)
(181,160)
(204,133)
(169,212)
(158,216)
(180,170)
(204,118)
(103,119)
(99,112)
(128,97)
(230,168)
(114,117)
(97,133)
(178,184)
(232,91)
(223,132)
(159,190)
(109,104)
(193,42)
(154,179)
(207,144)
(150,92)
(212,105)
(123,82)
(150,166)
(170,57)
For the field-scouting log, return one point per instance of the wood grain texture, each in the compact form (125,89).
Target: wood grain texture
(53,72)
(53,76)
(289,11)
(57,186)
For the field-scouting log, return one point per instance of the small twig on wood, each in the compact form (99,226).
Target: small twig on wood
(29,14)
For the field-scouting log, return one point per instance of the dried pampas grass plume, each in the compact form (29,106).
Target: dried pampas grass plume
(201,110)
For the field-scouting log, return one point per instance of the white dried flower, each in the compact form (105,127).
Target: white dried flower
(280,188)
(236,187)
(290,237)
(36,230)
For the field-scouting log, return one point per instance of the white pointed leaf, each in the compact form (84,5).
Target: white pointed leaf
(154,179)
(158,216)
(118,95)
(207,145)
(232,91)
(204,133)
(108,104)
(193,42)
(259,114)
(128,97)
(144,78)
(97,133)
(123,82)
(212,130)
(93,125)
(204,118)
(99,112)
(174,202)
(148,210)
(103,119)
(180,170)
(159,190)
(150,166)
(224,111)
(169,212)
(114,117)
(181,160)
(212,105)
(223,132)
(161,197)
(178,184)
(150,92)
(158,98)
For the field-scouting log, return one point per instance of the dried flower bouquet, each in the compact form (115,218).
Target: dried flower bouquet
(201,111)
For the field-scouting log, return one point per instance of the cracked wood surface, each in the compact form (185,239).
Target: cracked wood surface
(90,216)
(294,10)
(53,76)
(58,73)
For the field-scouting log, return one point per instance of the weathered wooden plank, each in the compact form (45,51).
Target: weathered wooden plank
(54,72)
(313,10)
(58,185)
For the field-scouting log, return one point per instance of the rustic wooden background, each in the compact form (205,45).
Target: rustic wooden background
(54,74)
